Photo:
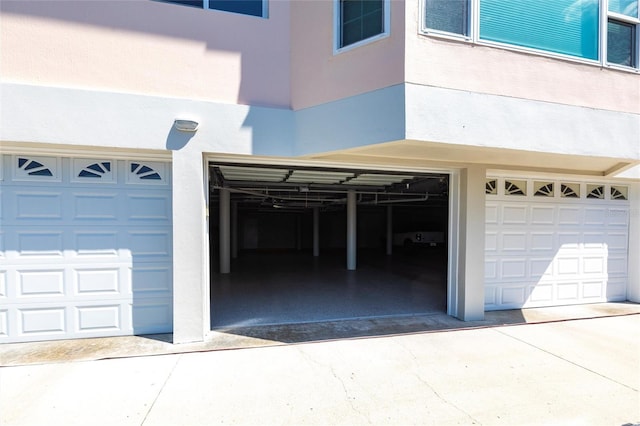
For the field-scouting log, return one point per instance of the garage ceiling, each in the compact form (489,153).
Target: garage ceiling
(299,188)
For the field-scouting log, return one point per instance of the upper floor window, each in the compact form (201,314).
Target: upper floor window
(571,28)
(448,16)
(361,20)
(622,32)
(245,7)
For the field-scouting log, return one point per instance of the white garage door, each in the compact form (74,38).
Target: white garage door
(551,242)
(85,247)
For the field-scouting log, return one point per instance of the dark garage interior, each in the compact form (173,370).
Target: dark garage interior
(288,247)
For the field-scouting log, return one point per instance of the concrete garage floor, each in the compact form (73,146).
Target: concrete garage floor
(295,287)
(64,351)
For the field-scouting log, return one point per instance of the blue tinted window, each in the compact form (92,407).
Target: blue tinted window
(621,43)
(196,3)
(450,16)
(360,19)
(246,7)
(624,7)
(569,27)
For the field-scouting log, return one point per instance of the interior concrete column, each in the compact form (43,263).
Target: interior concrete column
(351,230)
(298,232)
(389,230)
(316,231)
(190,247)
(225,231)
(234,229)
(470,294)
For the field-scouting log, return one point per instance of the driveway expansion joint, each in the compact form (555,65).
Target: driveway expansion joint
(497,330)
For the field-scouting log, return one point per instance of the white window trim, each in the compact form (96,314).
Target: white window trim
(605,16)
(386,10)
(474,37)
(265,9)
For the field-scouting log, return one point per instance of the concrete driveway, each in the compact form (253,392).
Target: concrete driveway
(577,372)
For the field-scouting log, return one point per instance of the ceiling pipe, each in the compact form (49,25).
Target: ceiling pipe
(405,200)
(253,191)
(300,202)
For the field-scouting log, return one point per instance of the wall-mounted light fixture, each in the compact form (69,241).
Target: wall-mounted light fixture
(186,125)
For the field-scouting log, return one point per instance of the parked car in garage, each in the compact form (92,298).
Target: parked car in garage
(418,238)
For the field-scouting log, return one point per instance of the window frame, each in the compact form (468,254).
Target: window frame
(604,17)
(472,25)
(337,28)
(206,6)
(623,19)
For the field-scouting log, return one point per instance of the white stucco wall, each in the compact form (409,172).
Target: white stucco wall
(471,233)
(105,119)
(633,283)
(191,290)
(476,119)
(374,117)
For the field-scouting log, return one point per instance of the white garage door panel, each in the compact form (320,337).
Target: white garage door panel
(151,314)
(105,317)
(550,251)
(48,321)
(86,247)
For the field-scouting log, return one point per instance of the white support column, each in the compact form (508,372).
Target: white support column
(389,230)
(470,283)
(316,231)
(351,230)
(633,277)
(225,231)
(234,229)
(190,247)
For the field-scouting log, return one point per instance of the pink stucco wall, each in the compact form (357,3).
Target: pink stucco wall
(460,65)
(287,60)
(147,47)
(318,75)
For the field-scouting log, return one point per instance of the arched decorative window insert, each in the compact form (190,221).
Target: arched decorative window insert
(96,170)
(144,172)
(147,172)
(570,190)
(491,187)
(619,193)
(36,168)
(543,189)
(33,167)
(595,191)
(515,187)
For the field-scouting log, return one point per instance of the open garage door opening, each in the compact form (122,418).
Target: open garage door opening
(297,245)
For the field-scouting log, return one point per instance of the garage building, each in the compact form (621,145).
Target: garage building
(187,166)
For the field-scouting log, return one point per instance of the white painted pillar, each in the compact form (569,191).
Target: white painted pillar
(351,230)
(471,232)
(234,229)
(190,247)
(389,230)
(225,231)
(633,264)
(316,231)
